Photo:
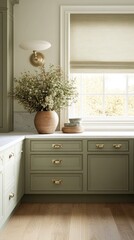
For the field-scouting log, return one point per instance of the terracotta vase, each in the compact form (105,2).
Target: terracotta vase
(46,121)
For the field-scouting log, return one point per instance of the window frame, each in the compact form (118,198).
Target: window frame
(65,12)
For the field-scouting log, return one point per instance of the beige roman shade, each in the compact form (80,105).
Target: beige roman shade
(102,41)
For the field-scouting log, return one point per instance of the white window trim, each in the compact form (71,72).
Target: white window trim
(65,12)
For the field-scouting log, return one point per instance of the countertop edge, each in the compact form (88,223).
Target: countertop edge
(8,139)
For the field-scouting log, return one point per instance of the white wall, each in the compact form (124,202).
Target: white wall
(40,19)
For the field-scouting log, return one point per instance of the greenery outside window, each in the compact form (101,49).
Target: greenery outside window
(103,96)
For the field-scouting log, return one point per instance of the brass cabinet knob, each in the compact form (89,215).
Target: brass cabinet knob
(57,181)
(11,195)
(100,146)
(117,146)
(56,146)
(11,155)
(56,161)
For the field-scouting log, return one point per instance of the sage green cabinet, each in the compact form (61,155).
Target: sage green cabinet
(108,145)
(108,173)
(56,182)
(86,166)
(6,64)
(54,166)
(60,162)
(56,146)
(110,166)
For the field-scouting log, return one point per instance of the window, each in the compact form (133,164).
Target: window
(103,96)
(97,51)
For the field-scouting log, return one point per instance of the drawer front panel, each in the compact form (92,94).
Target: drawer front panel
(56,182)
(1,158)
(114,146)
(56,162)
(9,155)
(1,161)
(1,196)
(56,146)
(9,174)
(18,148)
(10,200)
(108,173)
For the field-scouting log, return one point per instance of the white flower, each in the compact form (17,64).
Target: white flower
(44,90)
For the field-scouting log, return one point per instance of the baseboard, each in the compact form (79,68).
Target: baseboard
(76,198)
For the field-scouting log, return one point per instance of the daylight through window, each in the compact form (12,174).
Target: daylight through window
(103,96)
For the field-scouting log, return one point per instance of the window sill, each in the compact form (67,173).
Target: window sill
(109,126)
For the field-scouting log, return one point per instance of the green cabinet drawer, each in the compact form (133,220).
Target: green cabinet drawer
(56,182)
(108,145)
(55,162)
(56,146)
(108,173)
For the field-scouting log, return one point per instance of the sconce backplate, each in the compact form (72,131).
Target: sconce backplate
(37,59)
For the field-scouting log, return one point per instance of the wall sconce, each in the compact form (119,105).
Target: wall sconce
(36,58)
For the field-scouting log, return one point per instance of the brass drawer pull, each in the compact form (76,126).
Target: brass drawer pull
(117,146)
(56,146)
(57,181)
(56,161)
(11,195)
(11,155)
(99,146)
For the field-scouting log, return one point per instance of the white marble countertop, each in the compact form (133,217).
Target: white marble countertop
(8,139)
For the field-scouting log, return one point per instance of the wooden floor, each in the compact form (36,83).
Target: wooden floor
(71,222)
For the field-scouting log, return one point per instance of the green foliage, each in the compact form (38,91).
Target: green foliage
(44,90)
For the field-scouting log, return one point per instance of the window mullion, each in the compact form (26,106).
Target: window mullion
(104,100)
(126,98)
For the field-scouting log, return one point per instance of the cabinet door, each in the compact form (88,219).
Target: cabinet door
(19,171)
(10,200)
(1,197)
(9,167)
(9,181)
(108,173)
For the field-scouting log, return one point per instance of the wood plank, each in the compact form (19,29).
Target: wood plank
(101,223)
(121,215)
(67,221)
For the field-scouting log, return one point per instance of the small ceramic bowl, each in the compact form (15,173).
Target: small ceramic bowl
(74,120)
